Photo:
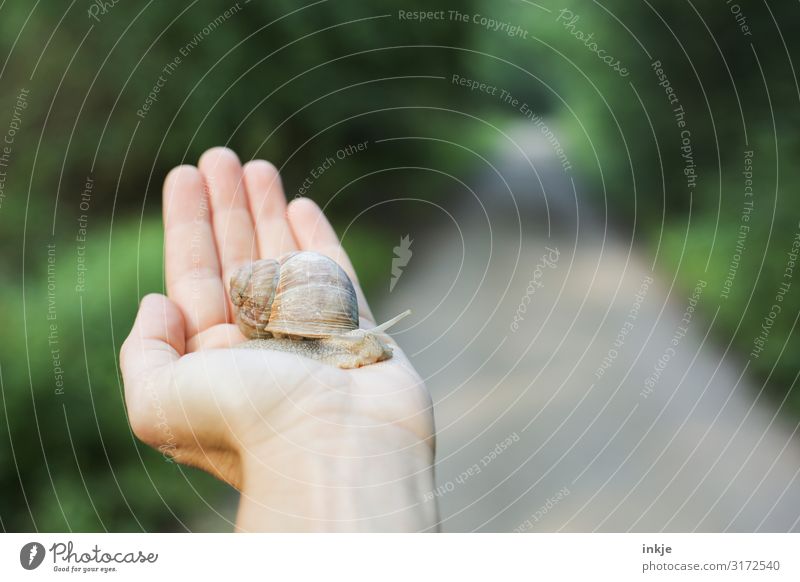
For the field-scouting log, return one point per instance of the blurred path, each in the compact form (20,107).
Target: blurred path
(532,435)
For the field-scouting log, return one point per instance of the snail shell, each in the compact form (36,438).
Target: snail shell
(301,295)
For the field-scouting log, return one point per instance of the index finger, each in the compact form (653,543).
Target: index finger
(194,279)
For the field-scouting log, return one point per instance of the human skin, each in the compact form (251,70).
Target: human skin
(309,446)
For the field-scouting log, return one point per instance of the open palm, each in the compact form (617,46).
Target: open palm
(237,413)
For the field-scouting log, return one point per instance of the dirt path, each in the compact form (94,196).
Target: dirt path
(536,432)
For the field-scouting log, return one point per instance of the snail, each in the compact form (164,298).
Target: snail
(304,303)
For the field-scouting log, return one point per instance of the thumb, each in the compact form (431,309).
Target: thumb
(156,341)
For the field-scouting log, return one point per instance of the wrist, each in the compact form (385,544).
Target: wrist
(359,479)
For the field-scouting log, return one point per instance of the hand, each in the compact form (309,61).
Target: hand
(310,446)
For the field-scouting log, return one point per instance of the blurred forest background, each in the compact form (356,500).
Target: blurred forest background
(293,83)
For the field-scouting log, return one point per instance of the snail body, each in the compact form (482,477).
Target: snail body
(304,303)
(343,352)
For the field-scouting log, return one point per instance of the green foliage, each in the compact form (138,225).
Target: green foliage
(274,80)
(623,135)
(78,466)
(754,262)
(736,98)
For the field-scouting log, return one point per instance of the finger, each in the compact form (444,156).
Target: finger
(268,209)
(230,213)
(156,341)
(313,232)
(192,267)
(217,338)
(149,360)
(157,337)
